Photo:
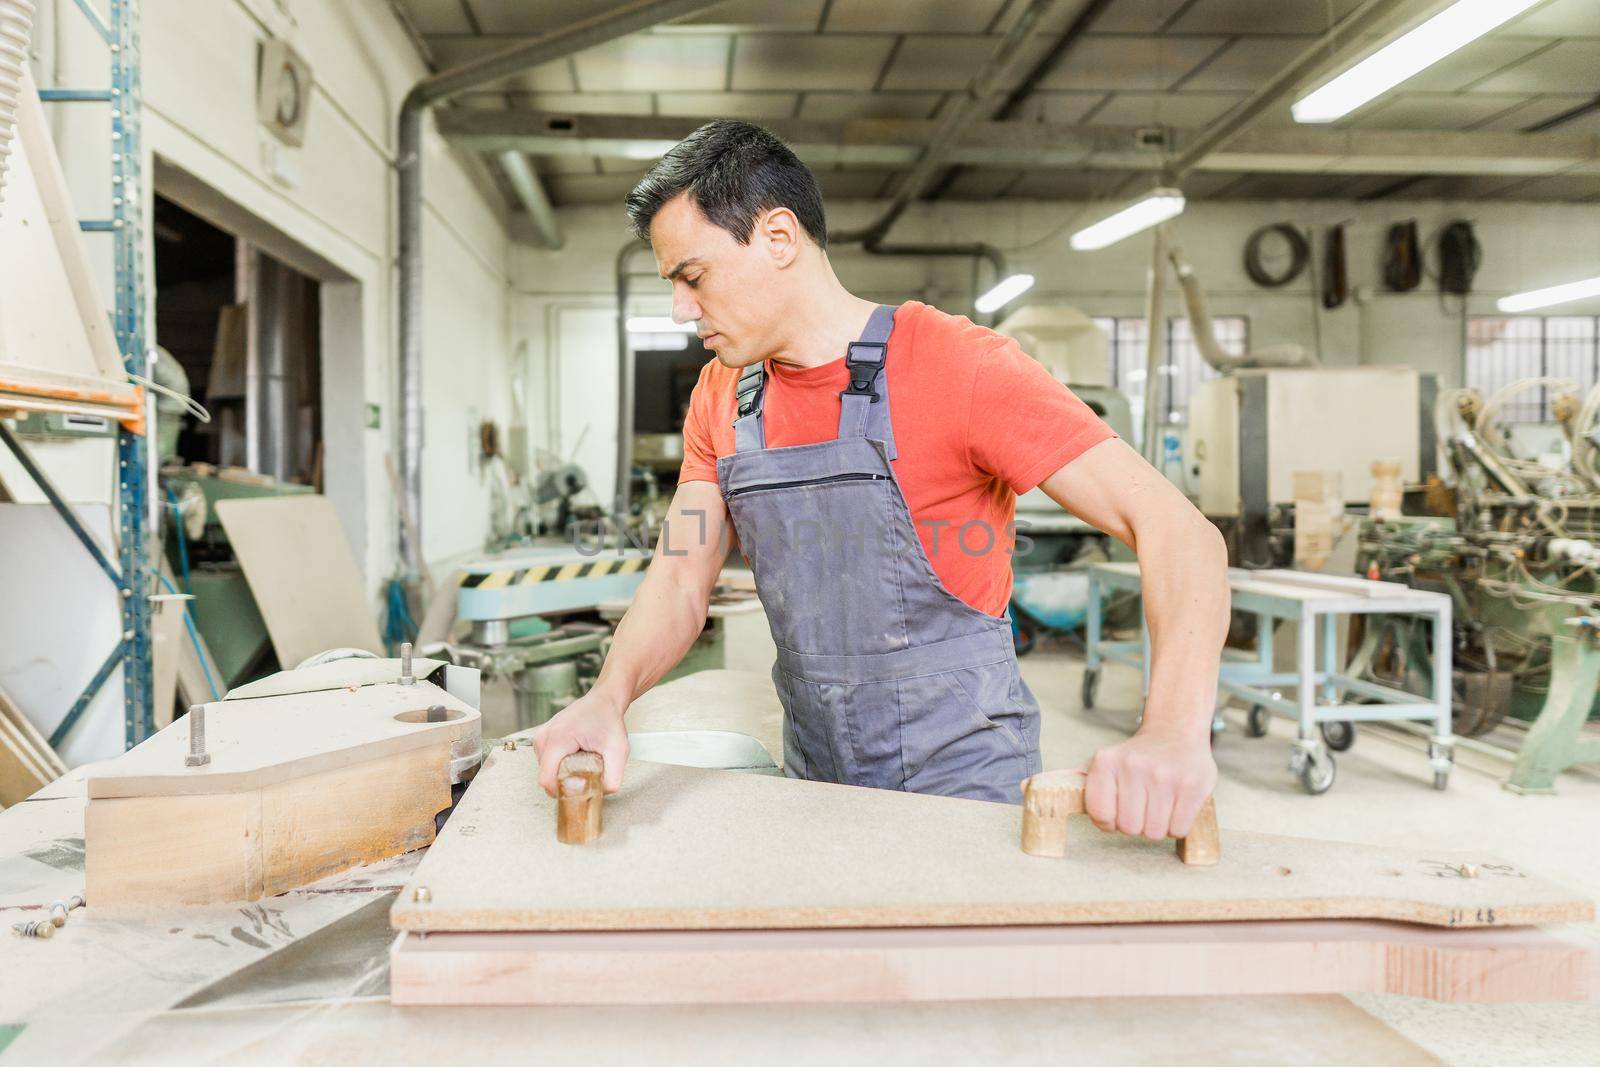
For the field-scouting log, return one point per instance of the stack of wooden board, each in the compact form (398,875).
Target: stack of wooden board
(716,886)
(27,762)
(299,786)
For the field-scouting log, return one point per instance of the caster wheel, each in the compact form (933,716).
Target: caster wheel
(1255,723)
(1091,682)
(1338,736)
(1316,777)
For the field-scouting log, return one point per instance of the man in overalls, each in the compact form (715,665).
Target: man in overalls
(869,459)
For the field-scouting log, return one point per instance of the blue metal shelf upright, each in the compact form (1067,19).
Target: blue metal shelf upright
(134,576)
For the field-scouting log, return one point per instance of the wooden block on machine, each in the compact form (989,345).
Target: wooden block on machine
(304,578)
(692,849)
(988,963)
(298,787)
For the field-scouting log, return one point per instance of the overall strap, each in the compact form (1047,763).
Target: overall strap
(864,404)
(748,433)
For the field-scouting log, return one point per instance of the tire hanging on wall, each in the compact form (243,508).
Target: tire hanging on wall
(1299,255)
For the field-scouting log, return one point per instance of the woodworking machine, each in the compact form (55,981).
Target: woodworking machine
(526,611)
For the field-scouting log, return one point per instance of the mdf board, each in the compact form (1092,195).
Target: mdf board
(302,574)
(988,963)
(690,849)
(298,787)
(206,848)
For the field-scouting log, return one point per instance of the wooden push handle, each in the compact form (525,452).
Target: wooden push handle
(1047,800)
(580,791)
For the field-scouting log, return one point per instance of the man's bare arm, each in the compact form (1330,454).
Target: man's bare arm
(1155,782)
(666,617)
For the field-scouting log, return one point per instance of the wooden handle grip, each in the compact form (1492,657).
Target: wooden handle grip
(580,792)
(1047,800)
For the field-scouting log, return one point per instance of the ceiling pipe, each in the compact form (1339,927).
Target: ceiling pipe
(535,201)
(979,90)
(1354,26)
(585,33)
(1030,81)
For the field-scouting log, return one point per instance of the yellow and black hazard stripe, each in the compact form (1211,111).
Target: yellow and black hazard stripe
(595,568)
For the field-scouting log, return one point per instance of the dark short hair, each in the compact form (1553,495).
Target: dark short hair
(732,172)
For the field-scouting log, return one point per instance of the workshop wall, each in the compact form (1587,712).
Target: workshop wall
(563,298)
(328,208)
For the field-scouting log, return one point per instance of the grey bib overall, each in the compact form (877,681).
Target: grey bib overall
(887,679)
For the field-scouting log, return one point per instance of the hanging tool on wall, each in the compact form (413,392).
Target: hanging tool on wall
(1335,276)
(1402,257)
(1257,247)
(1460,256)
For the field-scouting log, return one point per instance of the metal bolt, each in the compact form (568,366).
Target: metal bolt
(1467,870)
(421,894)
(58,914)
(436,713)
(510,745)
(198,756)
(406,677)
(42,929)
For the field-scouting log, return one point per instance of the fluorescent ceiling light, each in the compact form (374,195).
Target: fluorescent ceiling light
(1457,25)
(1154,207)
(658,324)
(1555,294)
(1006,290)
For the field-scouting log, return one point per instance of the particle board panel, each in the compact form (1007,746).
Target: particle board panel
(296,556)
(988,963)
(686,848)
(262,742)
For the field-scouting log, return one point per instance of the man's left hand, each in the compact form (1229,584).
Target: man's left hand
(1152,784)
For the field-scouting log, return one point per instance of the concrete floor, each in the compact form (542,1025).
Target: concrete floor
(1382,796)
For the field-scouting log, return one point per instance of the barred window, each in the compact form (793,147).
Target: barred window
(1185,368)
(1503,350)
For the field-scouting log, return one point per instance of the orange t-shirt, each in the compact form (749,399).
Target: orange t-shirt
(976,421)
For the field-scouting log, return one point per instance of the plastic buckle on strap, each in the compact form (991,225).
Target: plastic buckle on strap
(864,361)
(748,391)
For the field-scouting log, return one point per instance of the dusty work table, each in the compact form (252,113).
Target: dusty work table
(303,977)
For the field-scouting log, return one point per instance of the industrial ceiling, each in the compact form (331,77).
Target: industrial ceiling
(820,70)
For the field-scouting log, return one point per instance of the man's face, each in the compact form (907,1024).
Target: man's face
(722,286)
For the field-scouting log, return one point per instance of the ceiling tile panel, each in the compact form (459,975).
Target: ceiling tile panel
(1054,106)
(1532,112)
(1149,63)
(937,62)
(728,105)
(1261,16)
(972,184)
(1435,111)
(573,189)
(1055,21)
(588,103)
(549,165)
(1559,18)
(768,16)
(520,16)
(775,61)
(852,184)
(869,105)
(634,168)
(1135,16)
(1286,187)
(1475,62)
(1248,62)
(438,16)
(454,50)
(655,63)
(912,16)
(1566,67)
(1184,110)
(1579,187)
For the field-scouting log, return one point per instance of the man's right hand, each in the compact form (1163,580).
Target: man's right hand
(592,723)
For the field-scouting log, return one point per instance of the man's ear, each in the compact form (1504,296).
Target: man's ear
(781,234)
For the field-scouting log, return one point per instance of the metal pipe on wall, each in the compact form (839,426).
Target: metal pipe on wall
(1154,347)
(585,33)
(535,201)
